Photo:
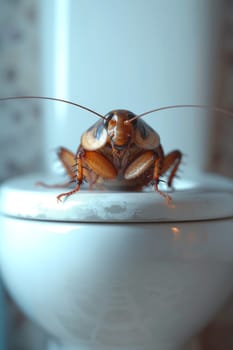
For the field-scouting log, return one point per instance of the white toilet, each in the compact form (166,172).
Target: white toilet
(115,270)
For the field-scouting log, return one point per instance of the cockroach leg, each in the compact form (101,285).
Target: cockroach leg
(171,160)
(156,180)
(161,193)
(67,194)
(63,185)
(78,158)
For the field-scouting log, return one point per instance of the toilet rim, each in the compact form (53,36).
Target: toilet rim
(200,197)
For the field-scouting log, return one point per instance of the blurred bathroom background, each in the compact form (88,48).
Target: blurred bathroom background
(160,53)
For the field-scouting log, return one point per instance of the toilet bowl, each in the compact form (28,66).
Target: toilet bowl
(118,270)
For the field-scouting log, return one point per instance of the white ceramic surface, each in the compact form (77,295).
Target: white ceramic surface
(193,344)
(123,286)
(200,197)
(117,285)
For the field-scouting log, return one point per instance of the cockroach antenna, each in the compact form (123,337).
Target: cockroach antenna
(216,109)
(53,99)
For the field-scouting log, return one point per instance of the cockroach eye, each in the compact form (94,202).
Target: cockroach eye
(131,116)
(112,123)
(108,118)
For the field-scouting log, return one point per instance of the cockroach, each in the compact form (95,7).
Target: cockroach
(120,150)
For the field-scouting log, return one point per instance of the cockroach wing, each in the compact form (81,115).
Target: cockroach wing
(68,161)
(95,137)
(145,136)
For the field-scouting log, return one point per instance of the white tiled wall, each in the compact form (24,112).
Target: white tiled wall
(20,125)
(20,133)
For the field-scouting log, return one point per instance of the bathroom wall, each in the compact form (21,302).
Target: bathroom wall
(140,56)
(2,318)
(222,146)
(219,333)
(21,129)
(21,139)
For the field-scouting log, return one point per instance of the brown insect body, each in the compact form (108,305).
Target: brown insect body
(119,153)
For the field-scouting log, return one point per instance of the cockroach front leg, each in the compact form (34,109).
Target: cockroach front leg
(144,162)
(141,164)
(162,165)
(91,165)
(79,178)
(157,174)
(171,161)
